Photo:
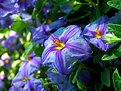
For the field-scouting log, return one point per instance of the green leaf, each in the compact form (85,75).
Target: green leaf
(105,77)
(77,5)
(76,74)
(38,8)
(81,66)
(115,28)
(82,15)
(28,50)
(111,38)
(97,58)
(80,85)
(99,86)
(112,53)
(115,3)
(95,15)
(71,76)
(60,2)
(105,7)
(38,51)
(4,30)
(116,80)
(18,26)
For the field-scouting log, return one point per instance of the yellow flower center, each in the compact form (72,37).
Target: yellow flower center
(23,1)
(98,34)
(12,44)
(49,21)
(7,61)
(59,45)
(25,79)
(29,58)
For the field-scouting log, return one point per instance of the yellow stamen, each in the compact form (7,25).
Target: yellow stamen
(23,1)
(12,44)
(7,61)
(29,58)
(59,45)
(25,79)
(98,34)
(49,21)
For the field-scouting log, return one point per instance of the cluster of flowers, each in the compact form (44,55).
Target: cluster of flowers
(61,50)
(63,47)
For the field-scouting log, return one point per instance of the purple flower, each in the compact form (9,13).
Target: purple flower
(11,41)
(65,47)
(61,81)
(26,81)
(5,60)
(24,4)
(5,21)
(41,33)
(32,63)
(15,89)
(1,85)
(94,32)
(8,7)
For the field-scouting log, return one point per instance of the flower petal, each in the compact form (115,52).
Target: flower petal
(28,86)
(48,55)
(15,89)
(58,23)
(18,81)
(36,61)
(39,35)
(61,81)
(59,63)
(36,84)
(79,48)
(70,31)
(94,25)
(34,65)
(102,25)
(24,69)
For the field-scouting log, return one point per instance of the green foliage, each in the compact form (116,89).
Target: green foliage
(116,80)
(28,49)
(116,34)
(105,7)
(115,3)
(74,77)
(95,14)
(19,26)
(111,38)
(105,77)
(38,8)
(38,50)
(99,87)
(112,53)
(82,12)
(116,29)
(60,2)
(3,30)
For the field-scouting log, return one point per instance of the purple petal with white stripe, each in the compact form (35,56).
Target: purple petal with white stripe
(60,64)
(70,31)
(79,48)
